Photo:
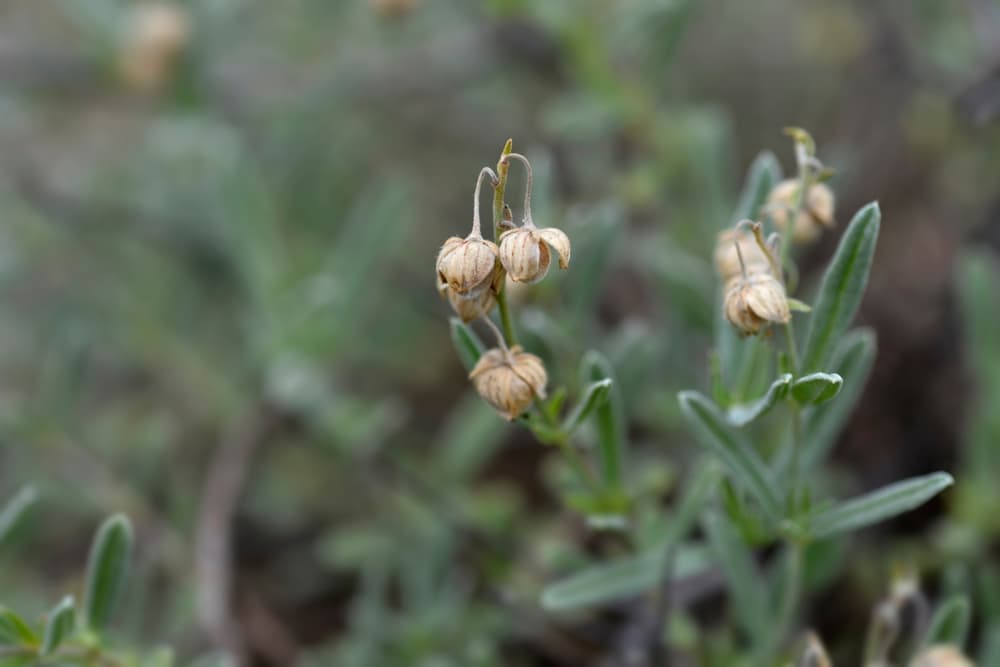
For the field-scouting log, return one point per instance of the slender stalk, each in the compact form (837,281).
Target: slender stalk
(790,601)
(527,221)
(499,187)
(476,226)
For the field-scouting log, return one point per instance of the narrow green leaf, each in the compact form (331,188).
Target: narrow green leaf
(622,579)
(842,288)
(950,623)
(14,631)
(609,417)
(60,625)
(744,582)
(15,509)
(816,388)
(742,414)
(879,505)
(466,343)
(853,361)
(107,570)
(594,396)
(636,574)
(713,432)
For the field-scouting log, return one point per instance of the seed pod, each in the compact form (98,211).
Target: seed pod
(942,655)
(509,380)
(754,300)
(524,252)
(470,308)
(816,214)
(156,34)
(469,266)
(727,257)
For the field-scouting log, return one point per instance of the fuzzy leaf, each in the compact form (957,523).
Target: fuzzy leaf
(107,570)
(15,509)
(816,388)
(61,624)
(466,343)
(609,417)
(742,414)
(14,631)
(842,288)
(950,623)
(594,396)
(879,505)
(713,432)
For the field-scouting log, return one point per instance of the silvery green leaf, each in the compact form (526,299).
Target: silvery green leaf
(742,414)
(61,624)
(877,506)
(107,570)
(842,288)
(950,623)
(595,395)
(713,432)
(816,388)
(609,417)
(15,508)
(466,342)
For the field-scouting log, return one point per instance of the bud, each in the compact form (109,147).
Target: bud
(727,257)
(469,308)
(942,655)
(156,34)
(509,380)
(817,210)
(469,266)
(754,300)
(524,252)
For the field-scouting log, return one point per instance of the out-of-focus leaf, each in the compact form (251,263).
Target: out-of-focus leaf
(763,175)
(60,625)
(15,509)
(466,343)
(816,388)
(853,361)
(879,505)
(744,583)
(594,395)
(842,288)
(950,623)
(609,417)
(14,631)
(742,414)
(107,570)
(713,432)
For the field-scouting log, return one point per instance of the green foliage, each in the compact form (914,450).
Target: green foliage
(107,570)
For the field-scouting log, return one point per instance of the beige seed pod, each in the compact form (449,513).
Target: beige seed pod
(156,34)
(509,380)
(727,257)
(469,266)
(524,252)
(816,214)
(754,300)
(470,308)
(942,655)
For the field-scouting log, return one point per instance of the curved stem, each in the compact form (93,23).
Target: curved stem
(527,187)
(476,227)
(496,332)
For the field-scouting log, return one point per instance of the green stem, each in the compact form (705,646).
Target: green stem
(795,463)
(790,601)
(503,168)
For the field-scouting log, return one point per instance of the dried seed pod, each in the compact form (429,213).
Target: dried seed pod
(942,655)
(509,380)
(754,300)
(524,252)
(816,214)
(156,34)
(469,266)
(470,308)
(727,257)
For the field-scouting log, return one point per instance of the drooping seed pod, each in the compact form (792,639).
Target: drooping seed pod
(727,257)
(156,34)
(754,300)
(469,266)
(816,213)
(470,308)
(524,252)
(509,380)
(942,655)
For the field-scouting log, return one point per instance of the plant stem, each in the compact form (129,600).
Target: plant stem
(503,168)
(790,601)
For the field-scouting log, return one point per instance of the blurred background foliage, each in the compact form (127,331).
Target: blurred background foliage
(219,315)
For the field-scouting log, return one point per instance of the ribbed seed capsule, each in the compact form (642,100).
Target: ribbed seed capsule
(754,300)
(524,252)
(727,257)
(509,380)
(942,655)
(816,214)
(470,308)
(469,266)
